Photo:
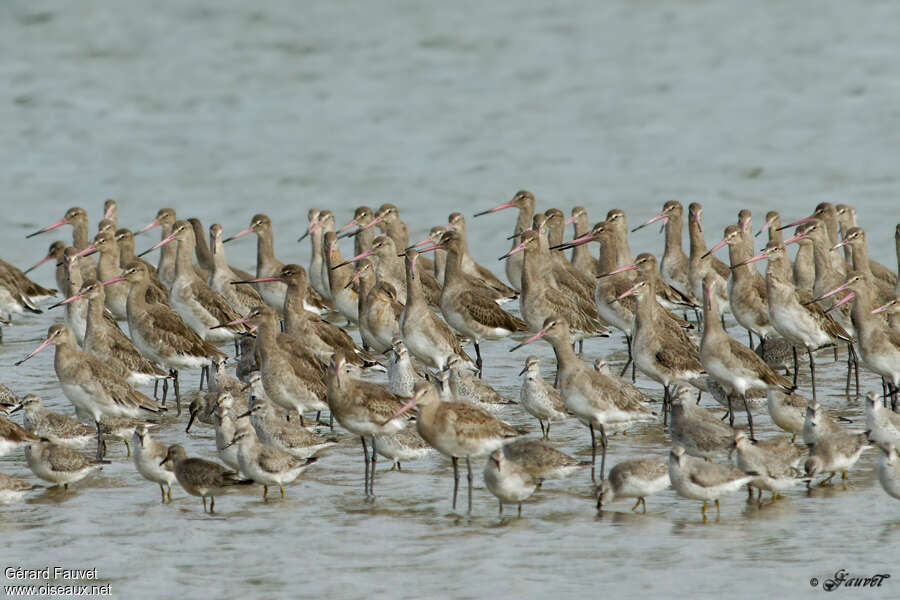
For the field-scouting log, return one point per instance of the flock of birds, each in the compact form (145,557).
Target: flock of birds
(414,314)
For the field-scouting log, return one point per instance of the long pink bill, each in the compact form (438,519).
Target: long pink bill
(148,227)
(761,256)
(356,258)
(114,280)
(587,238)
(159,245)
(406,407)
(51,227)
(626,293)
(536,336)
(718,245)
(795,238)
(241,321)
(836,290)
(841,244)
(67,301)
(797,222)
(847,298)
(239,234)
(43,345)
(765,227)
(422,242)
(87,251)
(495,209)
(356,231)
(346,227)
(257,280)
(631,267)
(883,307)
(515,250)
(661,216)
(313,227)
(38,263)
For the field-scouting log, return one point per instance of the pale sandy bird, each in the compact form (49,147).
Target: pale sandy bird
(524,202)
(882,423)
(13,489)
(268,465)
(273,430)
(199,477)
(542,460)
(635,478)
(403,377)
(539,398)
(695,429)
(818,424)
(773,463)
(401,447)
(509,481)
(597,400)
(148,454)
(788,411)
(58,428)
(836,452)
(696,479)
(465,387)
(58,464)
(888,467)
(364,408)
(13,436)
(457,429)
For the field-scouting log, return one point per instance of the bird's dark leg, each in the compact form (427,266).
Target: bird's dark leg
(603,442)
(366,460)
(812,371)
(372,476)
(478,362)
(665,405)
(469,477)
(750,336)
(749,416)
(730,411)
(593,453)
(796,370)
(455,460)
(101,445)
(174,373)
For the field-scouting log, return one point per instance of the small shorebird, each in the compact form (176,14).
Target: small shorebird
(58,464)
(524,202)
(456,222)
(456,429)
(55,254)
(160,333)
(509,481)
(199,477)
(268,465)
(267,265)
(403,376)
(835,452)
(542,460)
(12,435)
(466,388)
(539,398)
(273,430)
(773,463)
(597,399)
(58,428)
(148,454)
(882,423)
(635,478)
(788,411)
(697,479)
(363,408)
(401,447)
(125,239)
(13,489)
(888,467)
(696,429)
(92,385)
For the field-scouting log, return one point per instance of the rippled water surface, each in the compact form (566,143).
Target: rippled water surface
(223,109)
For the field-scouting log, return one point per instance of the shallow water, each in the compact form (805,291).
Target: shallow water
(223,109)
